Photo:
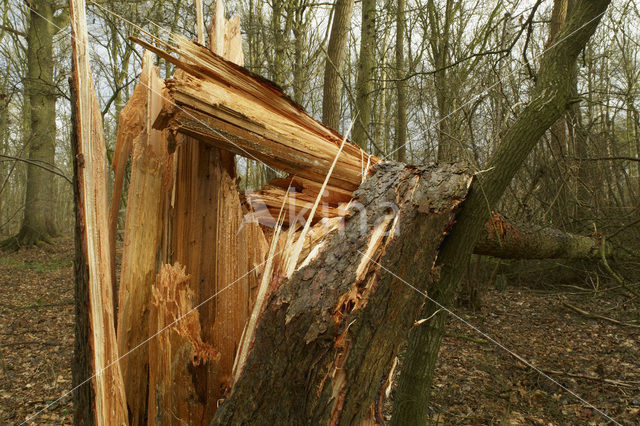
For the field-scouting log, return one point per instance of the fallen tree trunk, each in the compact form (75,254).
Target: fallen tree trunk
(507,239)
(327,337)
(550,98)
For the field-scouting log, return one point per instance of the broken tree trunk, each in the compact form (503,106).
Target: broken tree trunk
(327,337)
(130,125)
(176,352)
(93,271)
(325,340)
(144,227)
(226,106)
(220,253)
(258,121)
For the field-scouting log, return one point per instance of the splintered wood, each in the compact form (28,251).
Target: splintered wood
(225,105)
(177,350)
(91,171)
(143,233)
(220,252)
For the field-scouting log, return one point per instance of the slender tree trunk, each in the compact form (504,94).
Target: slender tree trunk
(4,138)
(279,47)
(364,84)
(549,100)
(38,222)
(336,53)
(401,118)
(300,31)
(448,147)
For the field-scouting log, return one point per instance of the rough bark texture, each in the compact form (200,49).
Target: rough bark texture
(38,222)
(549,101)
(328,336)
(336,53)
(110,405)
(142,252)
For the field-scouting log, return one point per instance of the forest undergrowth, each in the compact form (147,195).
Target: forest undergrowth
(476,382)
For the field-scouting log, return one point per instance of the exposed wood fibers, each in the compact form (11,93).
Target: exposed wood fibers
(144,226)
(219,250)
(109,400)
(258,121)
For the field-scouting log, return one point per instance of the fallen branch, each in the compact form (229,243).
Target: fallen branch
(597,316)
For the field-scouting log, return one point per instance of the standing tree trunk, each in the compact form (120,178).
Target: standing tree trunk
(549,100)
(38,222)
(364,85)
(401,118)
(448,147)
(299,27)
(336,53)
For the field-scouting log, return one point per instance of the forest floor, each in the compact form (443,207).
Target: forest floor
(477,382)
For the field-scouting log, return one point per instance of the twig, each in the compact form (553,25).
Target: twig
(42,166)
(623,158)
(33,343)
(596,316)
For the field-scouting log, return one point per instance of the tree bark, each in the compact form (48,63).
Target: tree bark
(81,362)
(449,148)
(327,337)
(401,117)
(550,99)
(39,212)
(336,53)
(364,84)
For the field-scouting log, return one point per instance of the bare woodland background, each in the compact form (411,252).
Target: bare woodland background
(461,73)
(423,80)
